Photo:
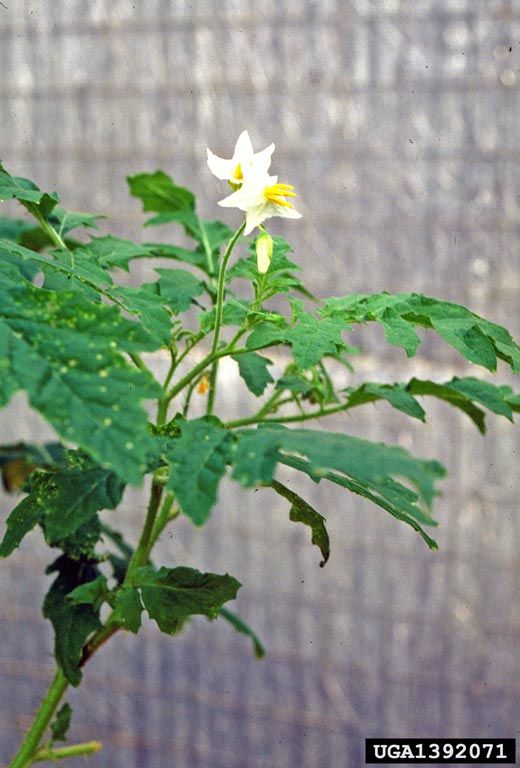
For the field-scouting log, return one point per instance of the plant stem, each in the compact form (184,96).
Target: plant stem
(48,228)
(221,286)
(288,419)
(43,717)
(143,548)
(74,750)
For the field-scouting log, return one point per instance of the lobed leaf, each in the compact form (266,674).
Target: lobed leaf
(158,192)
(302,512)
(73,624)
(170,595)
(66,353)
(198,462)
(476,338)
(253,370)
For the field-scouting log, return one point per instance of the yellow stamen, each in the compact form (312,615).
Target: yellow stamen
(277,194)
(238,177)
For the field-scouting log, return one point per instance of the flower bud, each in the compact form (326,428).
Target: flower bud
(264,252)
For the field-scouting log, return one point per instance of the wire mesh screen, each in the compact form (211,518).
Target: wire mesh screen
(398,122)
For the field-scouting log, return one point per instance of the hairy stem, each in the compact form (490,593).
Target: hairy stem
(221,286)
(43,717)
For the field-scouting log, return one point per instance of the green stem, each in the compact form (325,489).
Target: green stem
(165,516)
(212,388)
(43,717)
(142,551)
(288,419)
(221,286)
(56,238)
(75,750)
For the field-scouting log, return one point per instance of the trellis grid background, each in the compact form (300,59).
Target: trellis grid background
(398,122)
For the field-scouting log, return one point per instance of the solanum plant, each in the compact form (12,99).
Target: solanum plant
(73,337)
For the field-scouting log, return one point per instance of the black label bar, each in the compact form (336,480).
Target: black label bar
(440,751)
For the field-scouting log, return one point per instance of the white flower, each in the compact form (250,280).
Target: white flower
(243,162)
(261,197)
(264,251)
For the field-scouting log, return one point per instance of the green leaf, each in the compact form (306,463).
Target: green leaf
(234,312)
(460,393)
(278,279)
(92,593)
(159,193)
(240,625)
(372,467)
(146,303)
(398,395)
(65,221)
(62,502)
(73,624)
(128,609)
(24,517)
(302,512)
(477,339)
(178,288)
(253,370)
(311,339)
(113,252)
(483,392)
(61,723)
(198,463)
(66,353)
(170,595)
(26,191)
(163,251)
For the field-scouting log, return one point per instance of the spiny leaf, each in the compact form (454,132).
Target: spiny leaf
(477,339)
(159,193)
(73,624)
(302,512)
(172,594)
(240,625)
(146,303)
(253,370)
(26,191)
(198,463)
(178,288)
(374,466)
(62,502)
(311,338)
(114,252)
(63,350)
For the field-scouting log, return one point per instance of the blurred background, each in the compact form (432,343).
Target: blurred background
(397,120)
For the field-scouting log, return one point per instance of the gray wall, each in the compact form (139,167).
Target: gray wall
(398,122)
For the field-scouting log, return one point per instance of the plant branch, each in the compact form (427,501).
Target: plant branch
(74,750)
(289,419)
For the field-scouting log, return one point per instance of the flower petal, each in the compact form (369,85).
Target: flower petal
(254,217)
(222,169)
(244,152)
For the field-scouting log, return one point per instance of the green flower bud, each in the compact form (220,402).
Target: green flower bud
(264,251)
